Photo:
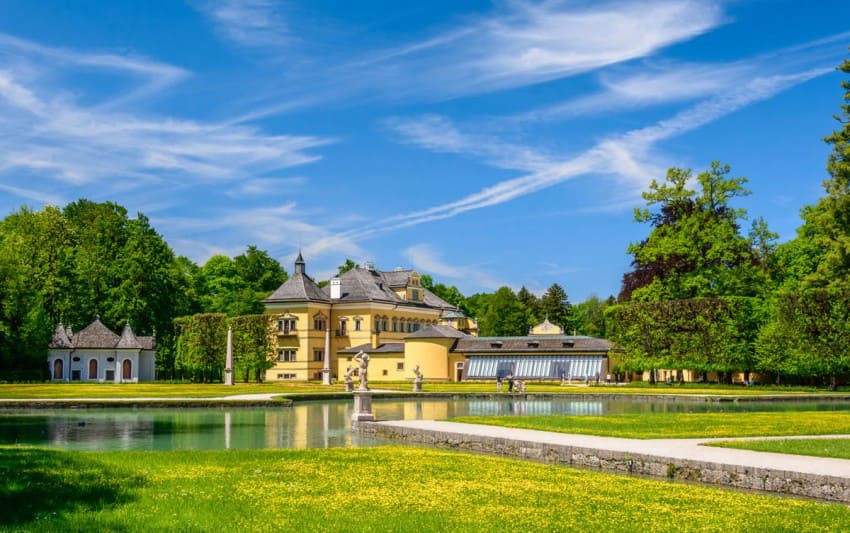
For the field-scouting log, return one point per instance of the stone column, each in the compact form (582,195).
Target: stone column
(228,363)
(326,368)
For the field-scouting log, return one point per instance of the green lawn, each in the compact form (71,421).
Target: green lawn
(682,425)
(154,390)
(835,448)
(366,489)
(209,390)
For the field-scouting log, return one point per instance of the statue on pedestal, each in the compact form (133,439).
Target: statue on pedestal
(363,359)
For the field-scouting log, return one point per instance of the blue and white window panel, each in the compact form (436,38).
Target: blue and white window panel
(535,366)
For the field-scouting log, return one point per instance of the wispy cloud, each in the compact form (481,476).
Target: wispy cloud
(250,23)
(631,158)
(83,139)
(266,186)
(425,258)
(438,134)
(526,43)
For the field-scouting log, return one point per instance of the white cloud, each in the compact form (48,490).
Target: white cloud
(438,134)
(425,259)
(528,43)
(250,23)
(266,186)
(628,157)
(48,133)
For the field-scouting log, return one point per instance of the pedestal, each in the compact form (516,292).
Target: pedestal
(228,376)
(326,376)
(362,406)
(349,386)
(417,386)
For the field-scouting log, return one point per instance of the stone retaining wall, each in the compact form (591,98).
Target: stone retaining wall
(762,479)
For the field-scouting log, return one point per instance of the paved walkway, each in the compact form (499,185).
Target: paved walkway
(681,449)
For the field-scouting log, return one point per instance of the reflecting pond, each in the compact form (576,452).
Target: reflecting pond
(306,424)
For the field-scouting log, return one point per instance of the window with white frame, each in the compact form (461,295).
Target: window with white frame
(357,323)
(286,325)
(286,356)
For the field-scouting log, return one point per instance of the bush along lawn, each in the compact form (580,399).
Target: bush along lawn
(366,489)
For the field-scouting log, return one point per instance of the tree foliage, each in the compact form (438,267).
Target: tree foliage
(694,248)
(505,315)
(555,304)
(700,334)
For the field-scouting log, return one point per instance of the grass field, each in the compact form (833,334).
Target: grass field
(835,448)
(154,390)
(682,425)
(210,390)
(366,489)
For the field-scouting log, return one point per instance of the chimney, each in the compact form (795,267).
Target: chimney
(336,289)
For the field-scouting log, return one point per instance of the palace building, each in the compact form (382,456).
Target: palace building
(401,324)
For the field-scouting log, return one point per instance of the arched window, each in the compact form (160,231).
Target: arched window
(92,368)
(58,372)
(127,370)
(385,325)
(395,324)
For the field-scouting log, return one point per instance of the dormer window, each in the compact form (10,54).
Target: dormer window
(569,344)
(414,295)
(496,344)
(533,344)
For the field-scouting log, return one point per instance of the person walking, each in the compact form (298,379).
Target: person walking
(510,382)
(499,383)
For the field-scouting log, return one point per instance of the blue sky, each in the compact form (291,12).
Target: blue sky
(484,143)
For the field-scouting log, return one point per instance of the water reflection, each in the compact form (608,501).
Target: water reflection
(304,425)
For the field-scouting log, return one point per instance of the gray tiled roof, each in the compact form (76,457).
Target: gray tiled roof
(437,332)
(60,338)
(128,339)
(532,344)
(365,285)
(387,347)
(96,335)
(397,278)
(298,288)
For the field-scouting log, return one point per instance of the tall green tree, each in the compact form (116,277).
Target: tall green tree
(694,248)
(830,217)
(556,305)
(532,302)
(505,315)
(589,316)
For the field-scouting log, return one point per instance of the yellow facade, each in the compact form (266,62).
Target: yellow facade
(400,324)
(346,326)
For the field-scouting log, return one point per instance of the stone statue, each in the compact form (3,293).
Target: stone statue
(348,379)
(417,383)
(363,359)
